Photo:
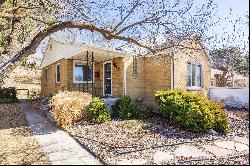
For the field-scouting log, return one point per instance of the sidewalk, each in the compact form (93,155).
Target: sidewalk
(57,144)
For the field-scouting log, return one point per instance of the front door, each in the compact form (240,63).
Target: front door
(107,79)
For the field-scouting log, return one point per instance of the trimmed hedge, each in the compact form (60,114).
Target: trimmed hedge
(194,111)
(7,101)
(126,108)
(8,95)
(96,112)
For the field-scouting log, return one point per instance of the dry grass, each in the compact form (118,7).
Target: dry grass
(17,144)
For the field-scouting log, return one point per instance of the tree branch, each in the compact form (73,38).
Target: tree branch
(136,23)
(2,1)
(129,13)
(31,48)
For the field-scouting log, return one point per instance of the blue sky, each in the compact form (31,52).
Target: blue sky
(239,9)
(227,11)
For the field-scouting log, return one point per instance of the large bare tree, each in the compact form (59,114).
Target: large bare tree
(25,24)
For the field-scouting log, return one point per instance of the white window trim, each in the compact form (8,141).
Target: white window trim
(83,62)
(103,69)
(195,87)
(58,82)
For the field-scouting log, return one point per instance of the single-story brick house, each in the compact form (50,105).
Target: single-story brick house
(112,73)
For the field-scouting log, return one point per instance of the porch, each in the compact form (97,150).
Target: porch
(97,90)
(96,71)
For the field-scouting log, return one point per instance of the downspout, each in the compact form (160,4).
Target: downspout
(172,72)
(125,78)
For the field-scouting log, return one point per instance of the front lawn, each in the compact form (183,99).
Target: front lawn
(17,144)
(125,141)
(135,135)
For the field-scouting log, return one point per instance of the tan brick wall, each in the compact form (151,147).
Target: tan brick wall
(66,83)
(118,77)
(51,87)
(153,74)
(69,73)
(99,81)
(134,81)
(197,55)
(157,77)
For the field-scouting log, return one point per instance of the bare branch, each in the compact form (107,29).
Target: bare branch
(136,23)
(2,1)
(129,13)
(31,48)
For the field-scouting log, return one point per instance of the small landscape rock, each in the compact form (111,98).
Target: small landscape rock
(212,131)
(189,151)
(160,157)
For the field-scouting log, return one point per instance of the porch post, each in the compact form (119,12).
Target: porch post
(87,72)
(93,74)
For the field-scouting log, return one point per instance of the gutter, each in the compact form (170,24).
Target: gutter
(172,73)
(125,78)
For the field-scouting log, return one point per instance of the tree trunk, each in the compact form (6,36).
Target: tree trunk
(221,79)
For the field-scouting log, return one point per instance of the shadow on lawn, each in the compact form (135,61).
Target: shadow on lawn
(159,125)
(19,115)
(11,116)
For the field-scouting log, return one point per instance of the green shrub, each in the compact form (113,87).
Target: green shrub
(126,108)
(34,94)
(7,101)
(220,117)
(8,93)
(96,112)
(69,107)
(191,110)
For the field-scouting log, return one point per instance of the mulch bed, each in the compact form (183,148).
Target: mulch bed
(242,113)
(113,141)
(17,144)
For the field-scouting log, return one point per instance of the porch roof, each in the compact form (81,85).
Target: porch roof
(57,50)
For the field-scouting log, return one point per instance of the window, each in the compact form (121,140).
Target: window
(194,75)
(58,73)
(46,75)
(134,65)
(82,72)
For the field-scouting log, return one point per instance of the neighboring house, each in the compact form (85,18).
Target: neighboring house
(235,81)
(238,81)
(116,74)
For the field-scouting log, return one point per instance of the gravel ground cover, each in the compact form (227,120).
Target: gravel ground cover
(17,145)
(148,141)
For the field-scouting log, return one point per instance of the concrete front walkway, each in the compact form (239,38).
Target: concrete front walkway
(58,145)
